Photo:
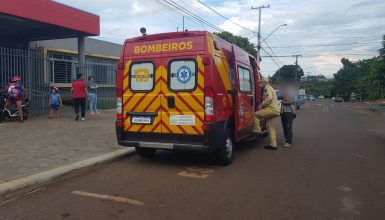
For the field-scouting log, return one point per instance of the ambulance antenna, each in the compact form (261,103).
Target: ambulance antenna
(143,31)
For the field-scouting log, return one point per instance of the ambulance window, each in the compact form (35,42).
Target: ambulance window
(142,77)
(182,75)
(244,79)
(247,80)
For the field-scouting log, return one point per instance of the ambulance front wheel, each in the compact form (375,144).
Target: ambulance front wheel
(145,152)
(225,153)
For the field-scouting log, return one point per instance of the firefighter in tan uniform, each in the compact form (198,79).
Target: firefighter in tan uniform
(269,111)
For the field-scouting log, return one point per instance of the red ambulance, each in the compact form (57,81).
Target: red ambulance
(185,91)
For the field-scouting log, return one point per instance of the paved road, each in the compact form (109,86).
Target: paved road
(336,170)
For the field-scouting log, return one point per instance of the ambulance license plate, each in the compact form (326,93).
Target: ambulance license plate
(141,120)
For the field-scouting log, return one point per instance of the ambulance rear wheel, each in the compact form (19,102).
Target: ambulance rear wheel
(225,153)
(145,152)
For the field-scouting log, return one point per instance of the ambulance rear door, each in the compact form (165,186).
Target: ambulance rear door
(182,95)
(142,88)
(244,98)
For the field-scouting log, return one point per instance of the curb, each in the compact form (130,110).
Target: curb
(24,185)
(377,108)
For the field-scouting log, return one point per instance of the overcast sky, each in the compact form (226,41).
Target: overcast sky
(323,31)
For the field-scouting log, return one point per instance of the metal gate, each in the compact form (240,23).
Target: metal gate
(38,73)
(63,71)
(29,65)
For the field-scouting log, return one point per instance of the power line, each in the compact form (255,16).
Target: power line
(181,8)
(273,53)
(159,5)
(225,17)
(199,24)
(296,58)
(330,37)
(272,57)
(330,45)
(319,55)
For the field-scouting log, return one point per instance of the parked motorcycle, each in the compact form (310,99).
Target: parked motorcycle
(12,112)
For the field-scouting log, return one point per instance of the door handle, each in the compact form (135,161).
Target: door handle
(171,101)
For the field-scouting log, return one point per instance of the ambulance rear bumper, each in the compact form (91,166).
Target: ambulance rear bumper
(210,141)
(166,146)
(163,141)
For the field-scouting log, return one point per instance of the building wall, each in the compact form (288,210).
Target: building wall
(92,46)
(62,61)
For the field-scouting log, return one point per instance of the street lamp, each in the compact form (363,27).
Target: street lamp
(260,42)
(269,34)
(282,25)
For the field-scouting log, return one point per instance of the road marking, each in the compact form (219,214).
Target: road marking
(345,188)
(107,197)
(350,205)
(196,172)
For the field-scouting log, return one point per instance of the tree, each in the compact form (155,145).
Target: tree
(365,77)
(241,42)
(317,85)
(288,72)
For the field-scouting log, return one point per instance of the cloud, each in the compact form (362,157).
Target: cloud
(358,23)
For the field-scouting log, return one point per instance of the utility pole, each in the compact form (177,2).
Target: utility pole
(259,30)
(296,58)
(296,63)
(183,24)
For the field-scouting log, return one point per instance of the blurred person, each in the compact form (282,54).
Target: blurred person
(92,94)
(269,111)
(287,116)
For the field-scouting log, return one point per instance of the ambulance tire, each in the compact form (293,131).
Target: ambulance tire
(145,152)
(225,154)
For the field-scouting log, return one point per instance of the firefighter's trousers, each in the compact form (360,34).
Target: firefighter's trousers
(270,115)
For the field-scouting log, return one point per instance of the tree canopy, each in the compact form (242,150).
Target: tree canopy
(364,77)
(288,72)
(241,42)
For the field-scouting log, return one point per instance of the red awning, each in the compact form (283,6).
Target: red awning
(44,19)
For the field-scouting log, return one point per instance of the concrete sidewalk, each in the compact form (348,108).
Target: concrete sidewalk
(42,144)
(378,108)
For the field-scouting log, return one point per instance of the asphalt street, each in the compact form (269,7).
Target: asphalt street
(335,170)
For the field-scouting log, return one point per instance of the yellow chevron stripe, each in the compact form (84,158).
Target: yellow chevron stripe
(222,66)
(201,67)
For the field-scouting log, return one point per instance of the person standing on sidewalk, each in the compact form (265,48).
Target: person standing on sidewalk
(287,116)
(55,102)
(269,111)
(79,94)
(92,94)
(15,94)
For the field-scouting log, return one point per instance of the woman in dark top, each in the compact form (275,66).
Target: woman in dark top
(287,117)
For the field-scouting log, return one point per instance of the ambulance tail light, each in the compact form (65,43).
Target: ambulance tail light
(119,109)
(209,104)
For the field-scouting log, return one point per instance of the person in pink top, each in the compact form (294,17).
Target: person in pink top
(79,94)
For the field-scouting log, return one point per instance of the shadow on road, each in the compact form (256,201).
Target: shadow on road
(190,158)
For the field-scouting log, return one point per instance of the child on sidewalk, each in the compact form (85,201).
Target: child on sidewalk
(54,102)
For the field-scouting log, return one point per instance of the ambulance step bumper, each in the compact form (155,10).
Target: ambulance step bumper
(167,146)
